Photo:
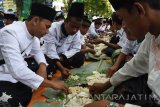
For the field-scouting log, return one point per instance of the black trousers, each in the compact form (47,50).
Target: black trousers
(20,93)
(109,51)
(135,91)
(75,61)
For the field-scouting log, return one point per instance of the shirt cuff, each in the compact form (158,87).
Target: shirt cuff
(116,79)
(37,82)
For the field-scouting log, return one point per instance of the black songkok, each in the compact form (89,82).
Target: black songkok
(43,11)
(76,10)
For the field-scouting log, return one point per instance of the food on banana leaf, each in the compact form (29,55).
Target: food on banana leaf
(115,55)
(96,78)
(54,95)
(87,69)
(98,53)
(74,77)
(98,48)
(82,80)
(78,97)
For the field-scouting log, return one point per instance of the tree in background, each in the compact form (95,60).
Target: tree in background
(19,5)
(23,7)
(92,7)
(98,8)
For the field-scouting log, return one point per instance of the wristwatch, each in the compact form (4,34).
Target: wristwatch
(113,104)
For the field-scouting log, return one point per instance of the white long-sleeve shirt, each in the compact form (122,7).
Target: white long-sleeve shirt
(146,61)
(128,46)
(16,43)
(55,42)
(92,31)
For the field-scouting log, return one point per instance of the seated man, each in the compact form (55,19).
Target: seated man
(138,78)
(94,27)
(117,40)
(19,40)
(62,44)
(127,52)
(83,30)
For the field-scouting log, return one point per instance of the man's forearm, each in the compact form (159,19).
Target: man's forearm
(115,46)
(42,65)
(107,85)
(120,58)
(59,65)
(46,83)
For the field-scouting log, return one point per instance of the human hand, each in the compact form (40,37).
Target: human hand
(65,73)
(102,103)
(92,51)
(111,71)
(97,88)
(60,85)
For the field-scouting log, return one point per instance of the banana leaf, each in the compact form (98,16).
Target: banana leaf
(43,104)
(92,57)
(53,95)
(115,55)
(81,80)
(86,70)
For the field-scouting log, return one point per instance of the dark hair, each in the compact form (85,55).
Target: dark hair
(117,4)
(98,21)
(70,17)
(32,16)
(10,16)
(86,20)
(116,19)
(43,11)
(109,21)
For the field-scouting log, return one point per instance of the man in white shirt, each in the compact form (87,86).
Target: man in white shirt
(18,41)
(62,43)
(139,18)
(85,47)
(94,27)
(118,40)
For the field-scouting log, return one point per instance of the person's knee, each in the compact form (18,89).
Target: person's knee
(78,60)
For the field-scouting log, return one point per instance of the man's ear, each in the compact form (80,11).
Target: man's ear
(66,21)
(35,20)
(140,8)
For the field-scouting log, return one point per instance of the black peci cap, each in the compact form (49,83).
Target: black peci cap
(76,10)
(43,11)
(10,16)
(117,4)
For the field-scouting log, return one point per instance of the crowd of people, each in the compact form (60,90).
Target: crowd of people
(32,50)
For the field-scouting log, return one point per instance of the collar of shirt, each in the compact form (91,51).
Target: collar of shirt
(29,36)
(64,30)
